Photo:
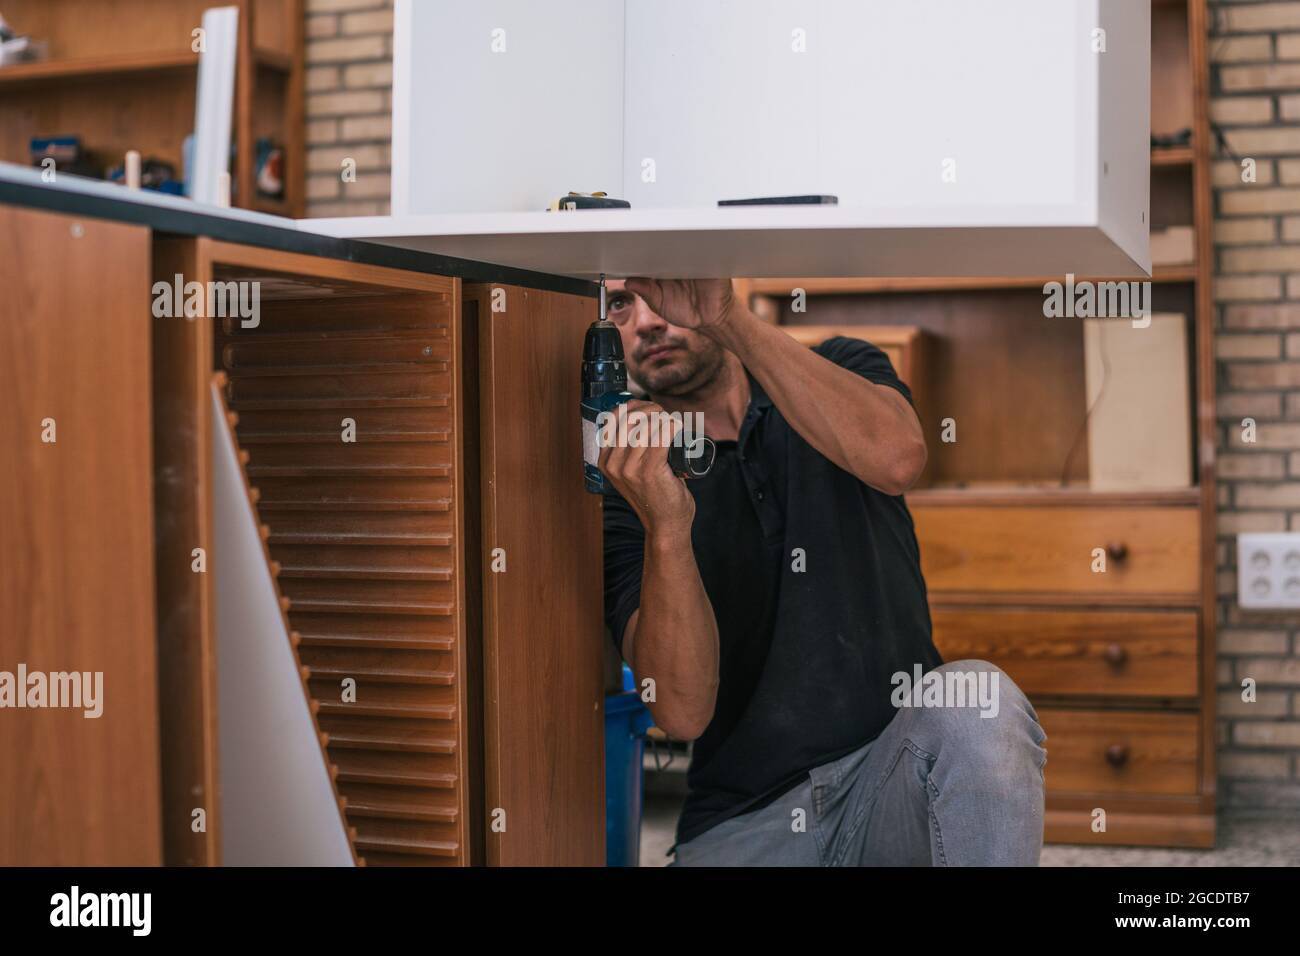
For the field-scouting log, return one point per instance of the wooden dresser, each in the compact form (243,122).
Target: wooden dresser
(1111,658)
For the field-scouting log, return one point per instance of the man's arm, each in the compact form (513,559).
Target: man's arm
(869,430)
(672,637)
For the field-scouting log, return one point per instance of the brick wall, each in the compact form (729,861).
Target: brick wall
(349,105)
(1255,88)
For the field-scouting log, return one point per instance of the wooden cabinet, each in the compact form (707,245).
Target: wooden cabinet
(444,556)
(1093,607)
(412,459)
(79,782)
(348,396)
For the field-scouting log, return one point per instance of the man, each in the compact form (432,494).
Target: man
(777,605)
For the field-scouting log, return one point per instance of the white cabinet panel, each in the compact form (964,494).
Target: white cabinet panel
(962,137)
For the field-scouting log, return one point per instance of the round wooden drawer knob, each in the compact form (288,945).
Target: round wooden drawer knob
(1117,551)
(1117,755)
(1115,655)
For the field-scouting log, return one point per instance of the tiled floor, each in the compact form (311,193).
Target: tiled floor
(1244,840)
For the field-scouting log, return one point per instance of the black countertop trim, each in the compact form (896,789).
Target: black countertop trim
(186,223)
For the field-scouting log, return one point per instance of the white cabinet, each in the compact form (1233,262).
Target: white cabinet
(962,137)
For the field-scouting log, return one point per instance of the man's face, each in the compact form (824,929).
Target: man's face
(664,359)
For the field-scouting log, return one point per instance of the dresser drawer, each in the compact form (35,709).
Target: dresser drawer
(1049,550)
(1075,652)
(1118,751)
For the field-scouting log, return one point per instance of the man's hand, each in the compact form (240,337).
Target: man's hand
(700,304)
(641,474)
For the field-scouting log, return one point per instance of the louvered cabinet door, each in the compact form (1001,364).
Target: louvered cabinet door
(347,397)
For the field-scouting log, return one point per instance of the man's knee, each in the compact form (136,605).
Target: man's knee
(973,706)
(976,675)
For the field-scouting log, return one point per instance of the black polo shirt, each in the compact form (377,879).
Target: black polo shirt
(815,582)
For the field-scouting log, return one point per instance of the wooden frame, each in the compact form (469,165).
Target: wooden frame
(380,768)
(182,441)
(543,626)
(1206,424)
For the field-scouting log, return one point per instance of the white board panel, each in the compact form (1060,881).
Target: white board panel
(214,103)
(715,100)
(1124,125)
(277,801)
(928,102)
(941,125)
(505,104)
(753,241)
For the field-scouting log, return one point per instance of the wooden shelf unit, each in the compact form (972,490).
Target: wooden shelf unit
(123,76)
(365,537)
(1007,522)
(381,547)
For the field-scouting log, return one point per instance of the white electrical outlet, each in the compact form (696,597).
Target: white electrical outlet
(1268,570)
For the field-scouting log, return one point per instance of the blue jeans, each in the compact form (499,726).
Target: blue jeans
(940,786)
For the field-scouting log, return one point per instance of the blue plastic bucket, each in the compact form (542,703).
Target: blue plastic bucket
(626,721)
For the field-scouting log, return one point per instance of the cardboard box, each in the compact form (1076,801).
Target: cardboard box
(1173,246)
(1139,426)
